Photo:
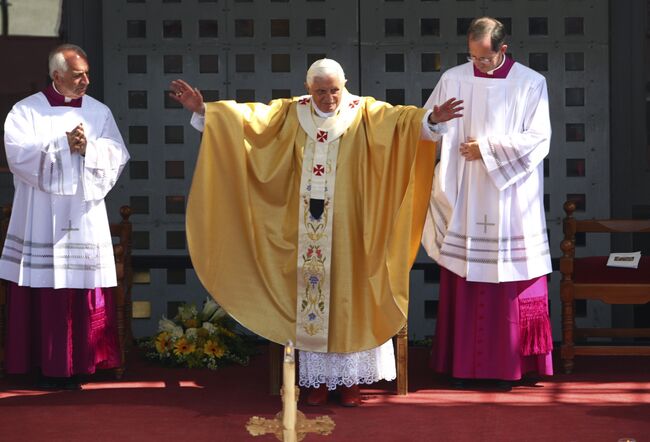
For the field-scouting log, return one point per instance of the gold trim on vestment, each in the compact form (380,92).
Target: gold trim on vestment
(315,235)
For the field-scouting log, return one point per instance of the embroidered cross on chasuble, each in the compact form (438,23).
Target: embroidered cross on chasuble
(317,185)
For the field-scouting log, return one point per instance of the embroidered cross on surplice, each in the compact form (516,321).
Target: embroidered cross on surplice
(353,104)
(69,229)
(485,224)
(321,136)
(303,101)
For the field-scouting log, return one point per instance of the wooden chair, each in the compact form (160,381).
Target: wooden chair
(401,356)
(590,278)
(5,214)
(122,250)
(122,233)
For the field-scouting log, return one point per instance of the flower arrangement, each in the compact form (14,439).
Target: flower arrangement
(198,339)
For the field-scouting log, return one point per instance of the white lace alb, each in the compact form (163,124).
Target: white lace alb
(337,369)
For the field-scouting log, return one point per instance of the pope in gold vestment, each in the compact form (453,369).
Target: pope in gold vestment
(243,216)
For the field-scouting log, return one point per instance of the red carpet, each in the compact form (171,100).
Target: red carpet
(605,400)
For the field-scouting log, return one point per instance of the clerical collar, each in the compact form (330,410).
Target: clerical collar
(503,60)
(500,71)
(322,114)
(55,98)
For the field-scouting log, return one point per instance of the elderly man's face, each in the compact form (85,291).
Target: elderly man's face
(74,82)
(326,93)
(482,55)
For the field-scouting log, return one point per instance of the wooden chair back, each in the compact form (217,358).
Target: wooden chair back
(590,278)
(121,233)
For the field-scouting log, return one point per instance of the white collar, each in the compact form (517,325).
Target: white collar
(66,99)
(500,64)
(322,114)
(332,128)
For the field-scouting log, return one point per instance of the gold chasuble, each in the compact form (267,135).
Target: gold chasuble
(334,281)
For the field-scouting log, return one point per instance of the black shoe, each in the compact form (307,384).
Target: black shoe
(504,385)
(530,381)
(458,384)
(71,383)
(47,383)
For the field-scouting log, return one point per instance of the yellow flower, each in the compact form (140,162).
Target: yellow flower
(225,331)
(213,349)
(182,347)
(162,342)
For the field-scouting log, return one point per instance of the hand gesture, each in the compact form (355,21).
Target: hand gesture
(77,140)
(448,110)
(190,97)
(470,150)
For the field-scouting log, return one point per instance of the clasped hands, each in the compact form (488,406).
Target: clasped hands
(77,140)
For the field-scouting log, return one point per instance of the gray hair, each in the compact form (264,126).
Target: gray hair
(324,68)
(483,26)
(56,60)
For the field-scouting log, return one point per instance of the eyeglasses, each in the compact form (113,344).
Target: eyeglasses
(482,60)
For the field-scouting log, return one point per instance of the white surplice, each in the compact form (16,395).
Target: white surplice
(486,218)
(59,234)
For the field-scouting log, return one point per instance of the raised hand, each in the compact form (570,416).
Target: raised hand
(190,97)
(448,110)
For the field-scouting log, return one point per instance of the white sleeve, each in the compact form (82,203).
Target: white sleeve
(511,157)
(430,131)
(45,164)
(444,186)
(105,159)
(198,121)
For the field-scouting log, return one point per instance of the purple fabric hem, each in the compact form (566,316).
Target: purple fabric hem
(481,332)
(63,332)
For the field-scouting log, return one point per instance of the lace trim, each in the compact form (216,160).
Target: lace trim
(338,369)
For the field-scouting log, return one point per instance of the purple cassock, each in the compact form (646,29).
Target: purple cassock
(490,330)
(64,331)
